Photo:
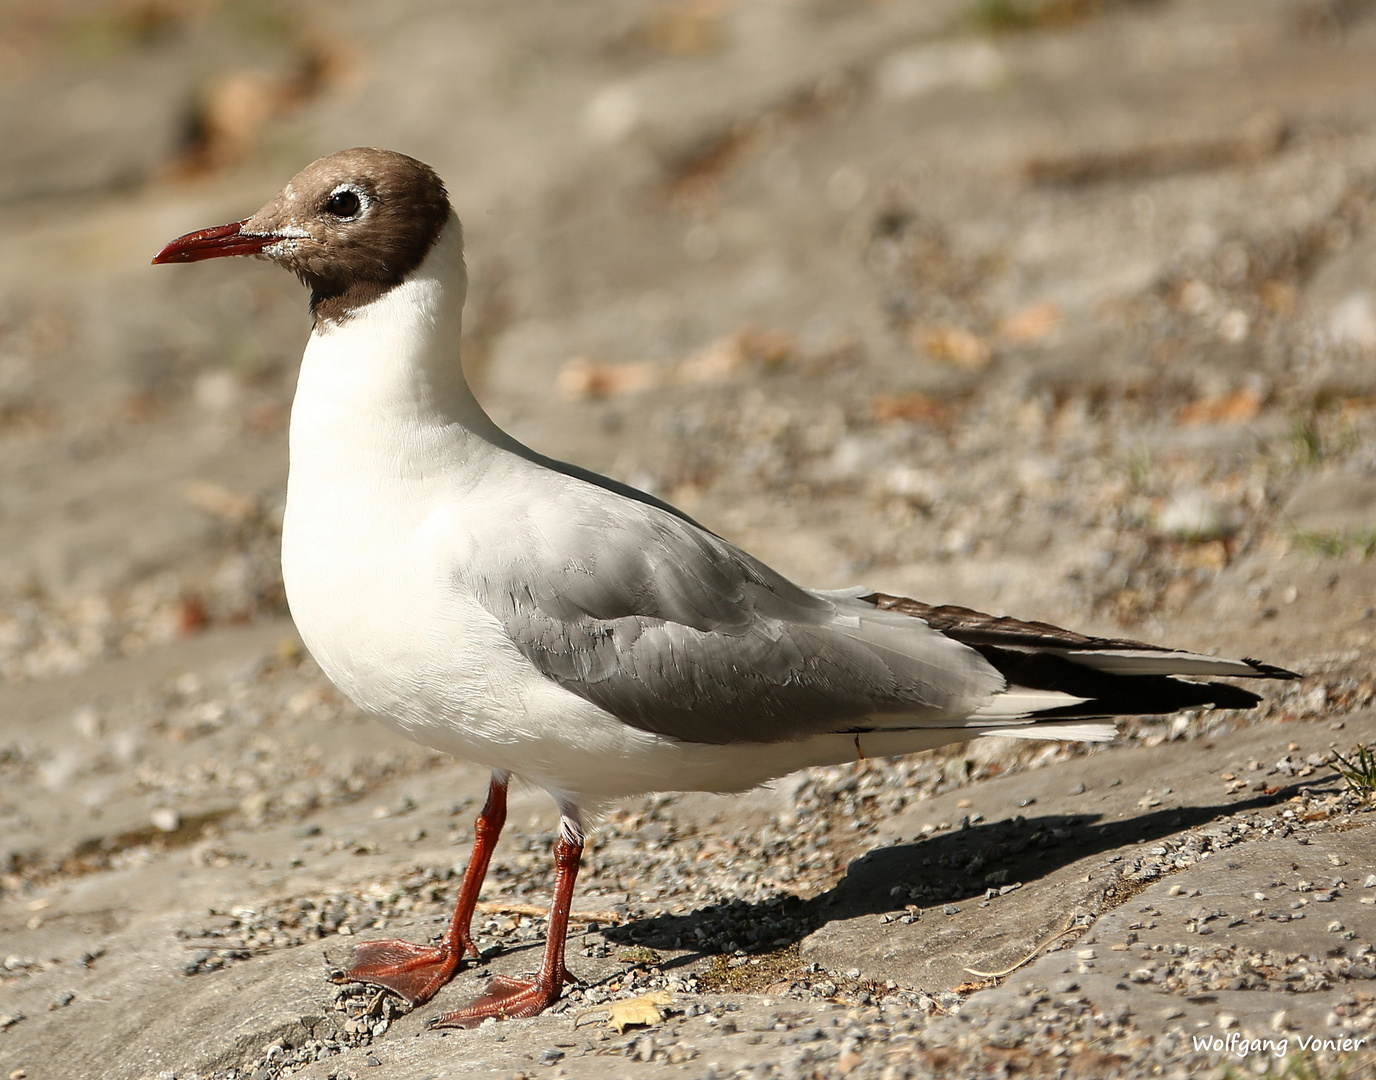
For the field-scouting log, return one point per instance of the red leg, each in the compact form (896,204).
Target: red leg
(511,999)
(417,972)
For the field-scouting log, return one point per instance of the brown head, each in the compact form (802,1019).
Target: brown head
(351,226)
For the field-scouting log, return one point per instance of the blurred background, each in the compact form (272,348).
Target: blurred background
(1062,305)
(1058,308)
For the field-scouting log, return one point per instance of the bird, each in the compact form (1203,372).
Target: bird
(557,625)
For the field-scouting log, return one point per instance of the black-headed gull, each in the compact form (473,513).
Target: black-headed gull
(551,623)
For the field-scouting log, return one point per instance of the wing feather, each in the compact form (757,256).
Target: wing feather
(673,630)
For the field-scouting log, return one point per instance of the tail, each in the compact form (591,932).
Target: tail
(1059,681)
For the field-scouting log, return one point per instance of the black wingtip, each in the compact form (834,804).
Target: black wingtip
(1270,671)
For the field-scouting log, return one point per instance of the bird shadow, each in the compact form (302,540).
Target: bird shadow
(947,868)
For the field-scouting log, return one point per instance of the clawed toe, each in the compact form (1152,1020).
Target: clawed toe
(414,972)
(417,972)
(504,999)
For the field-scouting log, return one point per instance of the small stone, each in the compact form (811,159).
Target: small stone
(1226,1021)
(165,819)
(1370,882)
(1336,927)
(1086,954)
(1191,515)
(950,909)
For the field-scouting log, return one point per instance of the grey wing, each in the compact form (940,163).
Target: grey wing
(675,631)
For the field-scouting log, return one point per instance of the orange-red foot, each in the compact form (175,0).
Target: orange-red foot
(416,972)
(505,999)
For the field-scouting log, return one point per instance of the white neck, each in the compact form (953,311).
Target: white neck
(389,374)
(382,400)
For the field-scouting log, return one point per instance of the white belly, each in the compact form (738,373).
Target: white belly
(377,607)
(376,603)
(380,611)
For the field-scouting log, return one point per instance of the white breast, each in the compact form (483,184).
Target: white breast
(391,461)
(373,529)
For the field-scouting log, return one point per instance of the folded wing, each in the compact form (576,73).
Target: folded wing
(673,630)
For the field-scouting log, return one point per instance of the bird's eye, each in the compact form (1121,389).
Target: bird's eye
(344,204)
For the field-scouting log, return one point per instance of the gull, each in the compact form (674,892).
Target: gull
(557,625)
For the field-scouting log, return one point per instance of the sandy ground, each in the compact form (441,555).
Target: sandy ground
(1055,308)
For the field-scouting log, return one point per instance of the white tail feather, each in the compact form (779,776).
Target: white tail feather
(1065,730)
(1018,701)
(1132,662)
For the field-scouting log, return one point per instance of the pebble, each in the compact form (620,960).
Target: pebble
(165,819)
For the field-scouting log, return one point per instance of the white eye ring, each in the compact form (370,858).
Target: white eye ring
(361,198)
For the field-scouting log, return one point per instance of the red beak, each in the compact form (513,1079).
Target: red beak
(214,243)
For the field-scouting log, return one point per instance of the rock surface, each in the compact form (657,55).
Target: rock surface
(1055,309)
